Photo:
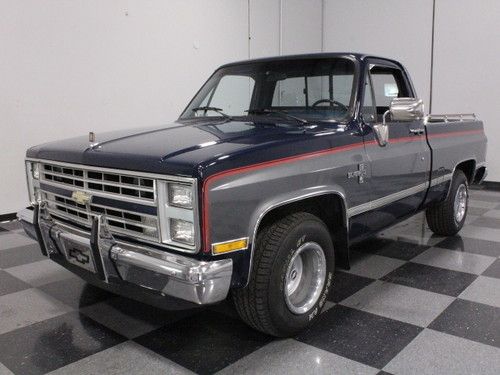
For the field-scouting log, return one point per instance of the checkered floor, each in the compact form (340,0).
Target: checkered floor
(413,303)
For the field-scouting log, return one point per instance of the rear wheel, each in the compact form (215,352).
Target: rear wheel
(448,218)
(291,276)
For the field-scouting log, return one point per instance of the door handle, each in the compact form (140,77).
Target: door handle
(418,131)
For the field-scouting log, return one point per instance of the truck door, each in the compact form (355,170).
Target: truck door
(398,171)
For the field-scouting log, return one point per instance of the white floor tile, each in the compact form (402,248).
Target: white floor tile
(454,260)
(439,353)
(483,290)
(399,302)
(26,307)
(125,358)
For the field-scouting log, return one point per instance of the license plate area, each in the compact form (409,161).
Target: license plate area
(79,254)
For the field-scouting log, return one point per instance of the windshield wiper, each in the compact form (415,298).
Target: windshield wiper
(215,109)
(277,112)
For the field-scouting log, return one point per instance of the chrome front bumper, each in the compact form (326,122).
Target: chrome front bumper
(115,262)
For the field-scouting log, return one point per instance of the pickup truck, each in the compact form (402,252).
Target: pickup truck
(274,169)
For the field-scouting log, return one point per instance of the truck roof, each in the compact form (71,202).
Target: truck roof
(356,55)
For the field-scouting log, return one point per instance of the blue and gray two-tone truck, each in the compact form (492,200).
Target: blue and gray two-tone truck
(274,169)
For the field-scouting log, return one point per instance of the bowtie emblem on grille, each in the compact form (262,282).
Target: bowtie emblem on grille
(79,256)
(81,197)
(360,173)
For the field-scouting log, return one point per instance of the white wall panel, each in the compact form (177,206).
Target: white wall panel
(301,26)
(398,29)
(466,66)
(69,67)
(264,28)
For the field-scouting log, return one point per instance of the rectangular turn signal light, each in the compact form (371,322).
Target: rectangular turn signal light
(225,247)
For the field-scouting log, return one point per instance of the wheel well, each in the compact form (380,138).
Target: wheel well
(330,208)
(469,168)
(479,176)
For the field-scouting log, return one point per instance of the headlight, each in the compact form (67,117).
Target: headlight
(35,170)
(182,231)
(178,215)
(32,178)
(180,195)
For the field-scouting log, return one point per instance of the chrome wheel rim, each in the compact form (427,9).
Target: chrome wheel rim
(305,278)
(460,204)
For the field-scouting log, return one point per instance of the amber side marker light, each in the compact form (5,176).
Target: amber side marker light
(226,247)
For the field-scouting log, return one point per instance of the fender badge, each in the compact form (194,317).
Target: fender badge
(360,173)
(81,197)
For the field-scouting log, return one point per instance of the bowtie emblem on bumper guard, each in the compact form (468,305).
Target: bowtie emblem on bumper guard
(360,173)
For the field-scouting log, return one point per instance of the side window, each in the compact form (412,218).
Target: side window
(388,83)
(233,95)
(368,109)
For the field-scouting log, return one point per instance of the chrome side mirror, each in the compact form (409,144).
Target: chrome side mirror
(401,109)
(406,109)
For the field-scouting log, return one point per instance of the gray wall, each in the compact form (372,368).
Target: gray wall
(466,76)
(69,67)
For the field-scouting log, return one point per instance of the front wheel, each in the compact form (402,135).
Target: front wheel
(448,218)
(291,276)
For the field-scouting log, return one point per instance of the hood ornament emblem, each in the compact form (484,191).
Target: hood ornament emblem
(92,141)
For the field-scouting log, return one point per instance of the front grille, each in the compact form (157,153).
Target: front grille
(119,221)
(132,187)
(125,189)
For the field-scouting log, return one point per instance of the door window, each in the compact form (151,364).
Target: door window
(388,83)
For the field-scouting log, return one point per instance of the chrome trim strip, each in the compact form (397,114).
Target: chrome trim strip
(377,203)
(380,202)
(441,179)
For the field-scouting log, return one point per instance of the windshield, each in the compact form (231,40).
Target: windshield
(310,89)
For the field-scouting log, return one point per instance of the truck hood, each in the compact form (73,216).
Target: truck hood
(177,148)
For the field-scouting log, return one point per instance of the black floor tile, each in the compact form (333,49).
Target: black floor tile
(3,230)
(471,245)
(206,342)
(20,255)
(346,284)
(433,279)
(10,284)
(493,270)
(132,318)
(76,293)
(390,248)
(11,225)
(470,320)
(487,222)
(360,336)
(53,343)
(225,307)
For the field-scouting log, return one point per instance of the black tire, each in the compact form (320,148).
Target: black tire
(441,218)
(262,304)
